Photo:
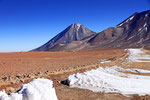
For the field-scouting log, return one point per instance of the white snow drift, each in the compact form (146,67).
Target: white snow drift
(38,89)
(138,55)
(105,61)
(110,80)
(113,79)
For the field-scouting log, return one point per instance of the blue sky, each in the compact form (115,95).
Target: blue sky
(27,24)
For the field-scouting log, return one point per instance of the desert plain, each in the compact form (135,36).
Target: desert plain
(22,67)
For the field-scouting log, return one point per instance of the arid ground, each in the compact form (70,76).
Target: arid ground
(22,67)
(25,62)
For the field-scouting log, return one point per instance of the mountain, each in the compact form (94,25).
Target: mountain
(73,33)
(133,32)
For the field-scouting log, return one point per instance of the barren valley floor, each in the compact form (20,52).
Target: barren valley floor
(22,67)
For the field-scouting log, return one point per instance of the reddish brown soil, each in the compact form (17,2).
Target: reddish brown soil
(25,62)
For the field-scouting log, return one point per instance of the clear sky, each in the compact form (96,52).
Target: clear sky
(27,24)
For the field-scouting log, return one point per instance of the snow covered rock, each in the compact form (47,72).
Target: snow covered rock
(38,89)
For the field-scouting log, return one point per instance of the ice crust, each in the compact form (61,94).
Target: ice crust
(138,55)
(107,61)
(114,79)
(38,89)
(111,80)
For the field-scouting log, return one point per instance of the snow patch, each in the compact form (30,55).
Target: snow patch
(131,17)
(110,80)
(143,28)
(139,29)
(38,89)
(105,61)
(146,29)
(146,15)
(131,37)
(77,26)
(134,70)
(120,24)
(114,79)
(138,55)
(144,25)
(127,20)
(146,39)
(140,41)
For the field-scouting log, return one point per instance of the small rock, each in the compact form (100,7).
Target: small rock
(12,82)
(37,73)
(4,78)
(10,78)
(22,81)
(30,76)
(46,72)
(18,76)
(17,81)
(10,89)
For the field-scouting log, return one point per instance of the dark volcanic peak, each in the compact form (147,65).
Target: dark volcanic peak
(136,16)
(133,32)
(75,32)
(137,28)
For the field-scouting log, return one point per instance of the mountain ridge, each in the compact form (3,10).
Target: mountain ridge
(133,32)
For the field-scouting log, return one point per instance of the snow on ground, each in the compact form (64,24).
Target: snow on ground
(38,89)
(114,79)
(110,80)
(104,61)
(138,55)
(134,70)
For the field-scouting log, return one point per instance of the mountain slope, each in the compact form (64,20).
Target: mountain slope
(133,32)
(75,32)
